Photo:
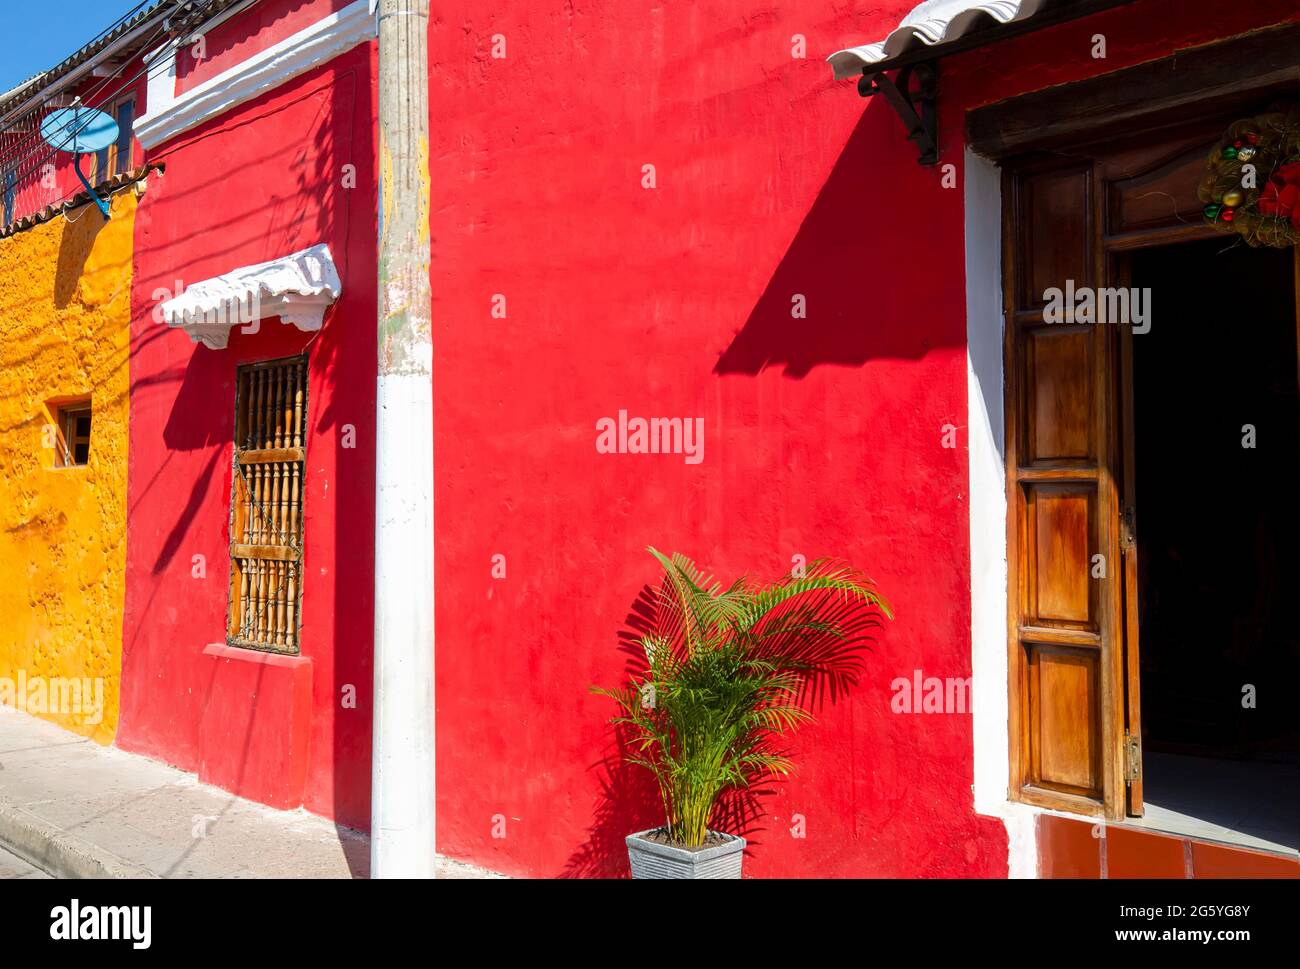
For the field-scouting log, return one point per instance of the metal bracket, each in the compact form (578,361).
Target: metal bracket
(99,202)
(921,125)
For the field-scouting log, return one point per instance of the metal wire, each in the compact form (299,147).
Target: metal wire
(160,61)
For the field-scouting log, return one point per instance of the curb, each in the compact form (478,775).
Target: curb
(57,852)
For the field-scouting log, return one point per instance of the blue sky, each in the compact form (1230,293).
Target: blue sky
(38,35)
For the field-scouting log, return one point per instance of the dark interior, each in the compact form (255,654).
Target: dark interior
(1218,524)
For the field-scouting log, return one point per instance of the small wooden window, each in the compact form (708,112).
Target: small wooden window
(11,189)
(116,158)
(119,153)
(73,446)
(266,505)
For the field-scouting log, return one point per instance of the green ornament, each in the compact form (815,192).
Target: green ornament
(1230,152)
(1212,212)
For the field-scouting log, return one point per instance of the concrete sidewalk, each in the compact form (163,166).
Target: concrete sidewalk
(75,809)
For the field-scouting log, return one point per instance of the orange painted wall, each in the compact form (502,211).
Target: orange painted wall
(65,299)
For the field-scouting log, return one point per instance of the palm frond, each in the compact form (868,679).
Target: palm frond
(728,671)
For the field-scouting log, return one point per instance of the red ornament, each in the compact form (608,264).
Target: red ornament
(1280,198)
(1253,139)
(1237,143)
(1227,214)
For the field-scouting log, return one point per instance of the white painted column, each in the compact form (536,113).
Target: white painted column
(403,768)
(402,782)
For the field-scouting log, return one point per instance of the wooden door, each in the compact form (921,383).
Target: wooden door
(1064,562)
(1129,601)
(1146,195)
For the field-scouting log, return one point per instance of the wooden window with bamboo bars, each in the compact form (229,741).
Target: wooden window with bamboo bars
(266,505)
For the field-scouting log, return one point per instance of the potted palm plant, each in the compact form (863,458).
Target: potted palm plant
(727,673)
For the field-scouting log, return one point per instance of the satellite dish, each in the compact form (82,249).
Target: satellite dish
(81,131)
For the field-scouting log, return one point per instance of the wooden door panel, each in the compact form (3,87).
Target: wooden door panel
(1055,219)
(1161,193)
(1150,187)
(1065,678)
(1058,363)
(1064,692)
(1129,598)
(1149,192)
(1061,523)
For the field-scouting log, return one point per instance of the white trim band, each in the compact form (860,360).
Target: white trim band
(264,71)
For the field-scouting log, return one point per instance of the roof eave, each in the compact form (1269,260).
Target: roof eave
(847,63)
(128,38)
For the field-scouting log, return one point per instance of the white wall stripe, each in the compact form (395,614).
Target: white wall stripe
(988,511)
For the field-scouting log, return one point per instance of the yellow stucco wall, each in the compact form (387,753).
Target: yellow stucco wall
(65,302)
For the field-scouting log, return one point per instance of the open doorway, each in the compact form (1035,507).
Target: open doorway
(1216,423)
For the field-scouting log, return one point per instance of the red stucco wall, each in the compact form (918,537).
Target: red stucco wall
(259,182)
(823,436)
(232,41)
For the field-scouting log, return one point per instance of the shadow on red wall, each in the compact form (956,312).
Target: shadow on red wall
(855,284)
(851,287)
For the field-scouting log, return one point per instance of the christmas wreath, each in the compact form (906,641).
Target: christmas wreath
(1252,182)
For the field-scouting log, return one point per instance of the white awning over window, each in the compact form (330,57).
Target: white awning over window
(937,22)
(298,288)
